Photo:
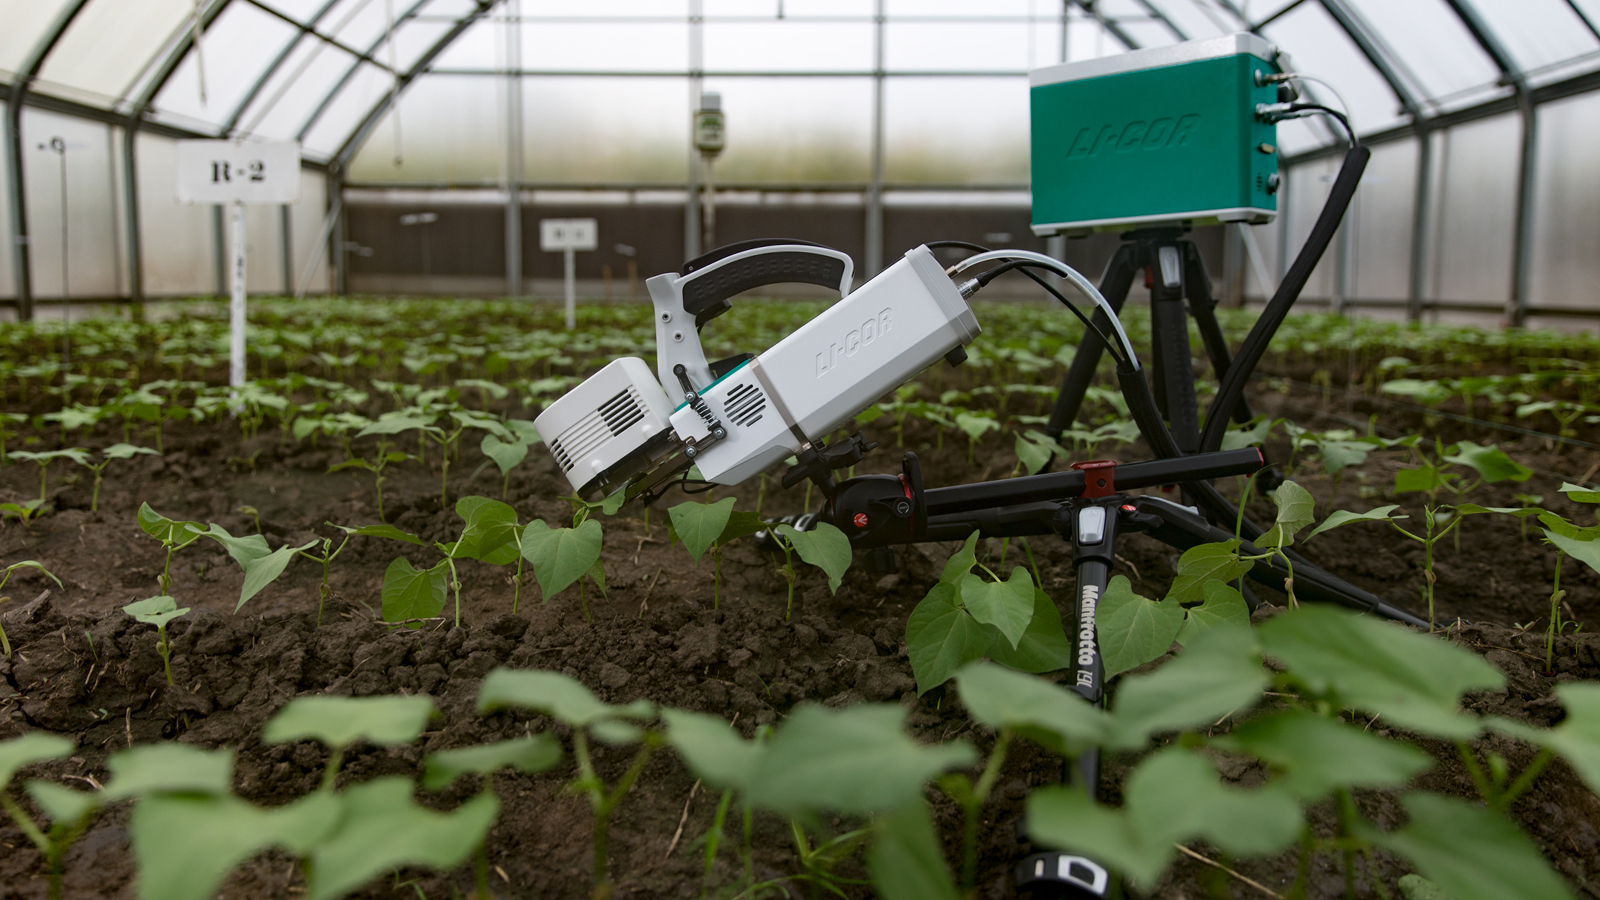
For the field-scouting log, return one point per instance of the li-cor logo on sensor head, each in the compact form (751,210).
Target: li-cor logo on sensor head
(1139,135)
(854,340)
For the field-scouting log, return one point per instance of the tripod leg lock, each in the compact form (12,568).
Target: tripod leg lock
(1061,875)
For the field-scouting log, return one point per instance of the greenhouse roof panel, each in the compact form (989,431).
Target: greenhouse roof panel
(27,23)
(1539,33)
(236,51)
(111,42)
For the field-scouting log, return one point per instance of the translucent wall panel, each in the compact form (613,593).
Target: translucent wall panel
(623,129)
(75,240)
(1538,32)
(1318,46)
(793,129)
(967,46)
(480,48)
(263,237)
(236,50)
(111,42)
(907,9)
(603,46)
(1431,47)
(1201,20)
(1381,219)
(178,240)
(358,24)
(344,113)
(1305,189)
(1566,207)
(299,10)
(26,21)
(295,90)
(792,9)
(449,134)
(789,45)
(1474,211)
(411,40)
(956,130)
(306,221)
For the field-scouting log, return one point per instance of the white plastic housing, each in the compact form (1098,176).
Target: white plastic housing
(597,425)
(831,368)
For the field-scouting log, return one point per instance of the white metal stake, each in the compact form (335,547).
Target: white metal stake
(236,317)
(569,260)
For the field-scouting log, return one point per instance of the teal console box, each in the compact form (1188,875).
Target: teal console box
(1157,136)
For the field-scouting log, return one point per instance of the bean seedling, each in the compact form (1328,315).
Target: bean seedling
(158,611)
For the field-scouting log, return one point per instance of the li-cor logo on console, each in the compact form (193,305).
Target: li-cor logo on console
(854,340)
(1139,135)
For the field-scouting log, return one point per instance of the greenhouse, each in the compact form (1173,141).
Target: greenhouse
(772,448)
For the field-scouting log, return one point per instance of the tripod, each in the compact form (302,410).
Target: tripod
(1174,272)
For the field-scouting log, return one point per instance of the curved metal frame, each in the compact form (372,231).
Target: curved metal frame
(159,71)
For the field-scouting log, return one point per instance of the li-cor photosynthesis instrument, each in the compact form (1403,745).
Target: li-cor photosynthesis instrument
(1149,143)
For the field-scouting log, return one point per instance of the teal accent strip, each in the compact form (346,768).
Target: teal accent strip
(730,374)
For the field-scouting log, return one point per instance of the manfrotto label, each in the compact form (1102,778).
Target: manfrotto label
(1086,645)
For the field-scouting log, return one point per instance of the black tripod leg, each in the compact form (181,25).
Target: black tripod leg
(1203,306)
(1172,356)
(1114,284)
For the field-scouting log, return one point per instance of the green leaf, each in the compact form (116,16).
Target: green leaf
(126,451)
(383,531)
(1343,517)
(617,499)
(699,525)
(856,760)
(1239,438)
(258,573)
(1224,608)
(1317,755)
(165,530)
(1422,478)
(1489,462)
(169,768)
(341,721)
(185,845)
(1032,454)
(1579,493)
(530,754)
(907,859)
(958,565)
(1577,738)
(1296,510)
(1586,552)
(713,751)
(1056,718)
(554,695)
(35,746)
(489,532)
(32,564)
(507,455)
(410,593)
(62,804)
(1132,629)
(1217,674)
(976,425)
(741,524)
(1007,605)
(157,611)
(1340,455)
(560,556)
(1173,797)
(384,829)
(243,549)
(1203,563)
(1413,680)
(1470,852)
(1044,646)
(824,546)
(395,424)
(941,637)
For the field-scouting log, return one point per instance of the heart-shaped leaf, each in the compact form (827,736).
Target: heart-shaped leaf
(341,721)
(1007,605)
(941,637)
(410,593)
(1132,629)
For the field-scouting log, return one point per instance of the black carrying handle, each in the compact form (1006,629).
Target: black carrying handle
(706,296)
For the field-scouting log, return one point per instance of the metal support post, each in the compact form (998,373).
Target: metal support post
(1522,238)
(219,251)
(236,311)
(130,189)
(286,238)
(569,280)
(1421,198)
(513,12)
(691,200)
(873,252)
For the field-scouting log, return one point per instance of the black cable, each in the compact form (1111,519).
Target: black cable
(1331,112)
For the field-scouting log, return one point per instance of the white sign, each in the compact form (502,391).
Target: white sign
(228,172)
(569,234)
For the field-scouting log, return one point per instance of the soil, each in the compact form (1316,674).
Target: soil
(664,632)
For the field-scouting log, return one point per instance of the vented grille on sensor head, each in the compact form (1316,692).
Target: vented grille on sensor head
(744,406)
(592,431)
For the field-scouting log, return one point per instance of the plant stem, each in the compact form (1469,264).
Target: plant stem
(973,804)
(1524,780)
(1555,616)
(1479,779)
(604,803)
(714,836)
(455,585)
(482,869)
(335,758)
(23,822)
(164,647)
(516,584)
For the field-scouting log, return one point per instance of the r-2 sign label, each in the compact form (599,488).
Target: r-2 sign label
(228,172)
